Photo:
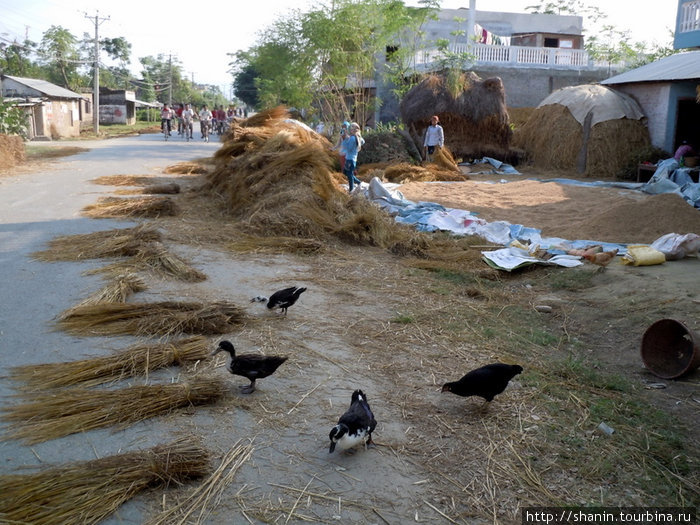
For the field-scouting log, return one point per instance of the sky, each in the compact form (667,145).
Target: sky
(200,37)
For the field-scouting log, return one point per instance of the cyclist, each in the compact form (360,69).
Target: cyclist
(166,115)
(188,115)
(178,113)
(205,117)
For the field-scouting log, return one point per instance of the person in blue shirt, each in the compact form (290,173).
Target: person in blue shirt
(350,147)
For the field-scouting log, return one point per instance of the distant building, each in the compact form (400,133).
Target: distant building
(52,111)
(117,106)
(668,90)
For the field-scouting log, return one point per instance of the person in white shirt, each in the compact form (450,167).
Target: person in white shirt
(205,117)
(188,115)
(434,138)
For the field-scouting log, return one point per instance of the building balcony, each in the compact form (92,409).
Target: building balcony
(513,56)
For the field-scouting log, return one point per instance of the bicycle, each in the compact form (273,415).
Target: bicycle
(187,129)
(205,130)
(165,128)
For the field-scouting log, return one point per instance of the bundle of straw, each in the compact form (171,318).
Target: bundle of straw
(186,168)
(89,491)
(157,258)
(133,361)
(60,413)
(115,207)
(159,318)
(110,243)
(117,291)
(165,188)
(209,492)
(123,180)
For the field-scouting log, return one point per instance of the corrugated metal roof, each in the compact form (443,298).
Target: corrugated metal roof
(681,66)
(45,88)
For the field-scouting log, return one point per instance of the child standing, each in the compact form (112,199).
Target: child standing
(350,147)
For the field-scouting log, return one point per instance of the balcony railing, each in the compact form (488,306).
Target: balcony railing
(513,55)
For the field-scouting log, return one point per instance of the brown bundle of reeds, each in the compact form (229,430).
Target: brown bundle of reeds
(266,117)
(170,188)
(159,318)
(90,491)
(123,180)
(58,413)
(134,361)
(186,168)
(209,492)
(158,259)
(117,291)
(443,158)
(403,173)
(109,243)
(115,207)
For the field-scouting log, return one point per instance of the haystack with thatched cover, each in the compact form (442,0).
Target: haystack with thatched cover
(591,128)
(472,112)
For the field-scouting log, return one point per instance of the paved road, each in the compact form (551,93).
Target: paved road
(34,208)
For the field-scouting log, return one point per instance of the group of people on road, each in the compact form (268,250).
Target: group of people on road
(215,120)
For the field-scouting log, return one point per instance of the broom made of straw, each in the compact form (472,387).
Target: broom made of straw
(89,491)
(60,413)
(159,318)
(96,245)
(135,360)
(209,492)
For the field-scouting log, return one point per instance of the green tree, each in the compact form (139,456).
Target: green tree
(16,59)
(324,61)
(60,58)
(244,85)
(13,119)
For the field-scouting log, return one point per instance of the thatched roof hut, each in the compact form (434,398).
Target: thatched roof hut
(591,128)
(471,111)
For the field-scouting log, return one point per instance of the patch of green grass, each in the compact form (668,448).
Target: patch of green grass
(570,279)
(403,319)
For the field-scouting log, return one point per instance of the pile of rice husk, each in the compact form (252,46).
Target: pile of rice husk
(187,168)
(137,360)
(143,207)
(57,413)
(472,113)
(90,491)
(158,318)
(12,150)
(553,139)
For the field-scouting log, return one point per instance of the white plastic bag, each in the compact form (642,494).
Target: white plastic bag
(676,246)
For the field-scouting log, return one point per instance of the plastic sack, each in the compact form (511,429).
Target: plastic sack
(642,255)
(676,246)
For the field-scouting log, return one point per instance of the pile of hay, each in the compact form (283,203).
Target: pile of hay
(387,146)
(12,151)
(116,208)
(57,413)
(592,129)
(90,491)
(123,242)
(472,113)
(158,318)
(278,180)
(137,360)
(403,173)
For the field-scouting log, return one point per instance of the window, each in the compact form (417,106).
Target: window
(551,42)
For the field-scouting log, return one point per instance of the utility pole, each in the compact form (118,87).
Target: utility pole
(96,74)
(170,83)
